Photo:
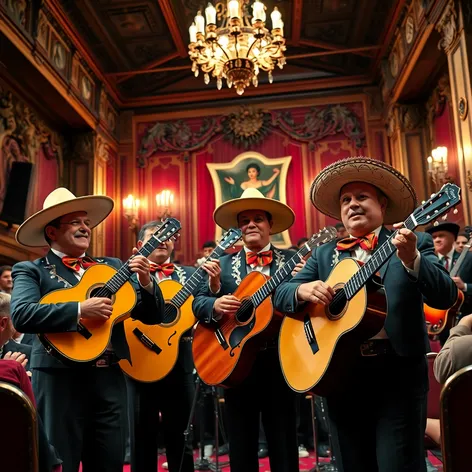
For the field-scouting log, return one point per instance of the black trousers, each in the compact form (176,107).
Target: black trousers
(82,410)
(264,392)
(172,397)
(378,421)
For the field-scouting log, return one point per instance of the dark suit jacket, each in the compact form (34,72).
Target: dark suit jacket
(404,324)
(18,347)
(33,280)
(233,270)
(465,273)
(28,339)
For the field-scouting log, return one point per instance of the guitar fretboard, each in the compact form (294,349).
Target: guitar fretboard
(378,259)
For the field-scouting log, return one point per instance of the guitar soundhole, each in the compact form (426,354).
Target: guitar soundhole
(337,305)
(101,292)
(244,314)
(170,313)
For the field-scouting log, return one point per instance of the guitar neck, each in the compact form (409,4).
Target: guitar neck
(192,283)
(457,265)
(125,273)
(263,292)
(378,259)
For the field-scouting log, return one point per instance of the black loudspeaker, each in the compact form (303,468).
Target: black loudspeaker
(16,196)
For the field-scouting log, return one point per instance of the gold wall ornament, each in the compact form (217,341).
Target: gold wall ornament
(462,108)
(447,27)
(240,47)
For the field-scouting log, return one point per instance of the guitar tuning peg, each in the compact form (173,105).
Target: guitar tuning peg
(436,223)
(423,202)
(455,211)
(444,218)
(432,195)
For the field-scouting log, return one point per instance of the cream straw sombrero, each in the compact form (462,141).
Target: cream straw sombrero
(58,203)
(325,189)
(226,215)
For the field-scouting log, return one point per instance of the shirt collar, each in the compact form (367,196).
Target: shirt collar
(266,248)
(376,231)
(62,254)
(449,255)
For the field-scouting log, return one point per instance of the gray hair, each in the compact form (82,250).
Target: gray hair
(5,299)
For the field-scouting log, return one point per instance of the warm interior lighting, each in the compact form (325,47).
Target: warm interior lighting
(239,47)
(437,166)
(165,201)
(131,210)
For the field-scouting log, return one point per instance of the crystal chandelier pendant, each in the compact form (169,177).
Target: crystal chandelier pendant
(239,46)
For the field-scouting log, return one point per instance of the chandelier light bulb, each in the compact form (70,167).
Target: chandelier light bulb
(193,33)
(210,14)
(276,18)
(200,23)
(258,12)
(233,9)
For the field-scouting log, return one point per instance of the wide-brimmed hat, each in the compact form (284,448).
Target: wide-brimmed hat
(326,187)
(445,226)
(58,203)
(226,215)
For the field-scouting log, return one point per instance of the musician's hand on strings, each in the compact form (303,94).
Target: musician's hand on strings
(298,267)
(459,282)
(140,265)
(17,356)
(96,308)
(405,242)
(213,269)
(315,292)
(226,305)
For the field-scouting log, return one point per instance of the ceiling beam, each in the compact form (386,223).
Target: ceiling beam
(171,21)
(263,90)
(123,76)
(296,21)
(295,56)
(330,46)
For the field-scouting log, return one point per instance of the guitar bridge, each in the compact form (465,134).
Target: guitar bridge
(310,334)
(83,331)
(221,339)
(147,341)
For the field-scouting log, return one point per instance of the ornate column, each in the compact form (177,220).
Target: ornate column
(455,27)
(409,144)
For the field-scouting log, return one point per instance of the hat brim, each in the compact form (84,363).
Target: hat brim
(450,227)
(31,232)
(326,187)
(226,215)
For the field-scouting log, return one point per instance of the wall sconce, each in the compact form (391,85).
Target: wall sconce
(164,201)
(131,211)
(437,166)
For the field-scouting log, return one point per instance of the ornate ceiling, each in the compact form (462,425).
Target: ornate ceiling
(329,42)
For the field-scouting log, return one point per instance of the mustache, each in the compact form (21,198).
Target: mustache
(81,232)
(355,212)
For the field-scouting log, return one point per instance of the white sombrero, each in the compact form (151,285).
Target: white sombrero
(58,203)
(226,215)
(324,192)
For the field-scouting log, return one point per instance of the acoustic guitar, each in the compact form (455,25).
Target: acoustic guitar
(224,350)
(154,349)
(100,280)
(438,320)
(317,343)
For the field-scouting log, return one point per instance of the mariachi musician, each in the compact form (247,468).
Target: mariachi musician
(378,416)
(171,396)
(82,406)
(264,392)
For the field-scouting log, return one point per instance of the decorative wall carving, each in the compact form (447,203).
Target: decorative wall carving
(248,127)
(447,27)
(17,10)
(405,118)
(436,103)
(82,146)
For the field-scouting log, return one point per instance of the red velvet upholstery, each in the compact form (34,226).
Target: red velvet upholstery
(18,435)
(456,421)
(434,389)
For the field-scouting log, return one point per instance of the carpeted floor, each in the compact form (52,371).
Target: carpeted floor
(305,464)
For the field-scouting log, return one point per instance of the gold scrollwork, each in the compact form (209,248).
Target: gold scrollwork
(462,108)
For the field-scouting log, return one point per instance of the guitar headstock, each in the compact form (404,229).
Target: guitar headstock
(439,204)
(326,235)
(169,229)
(230,238)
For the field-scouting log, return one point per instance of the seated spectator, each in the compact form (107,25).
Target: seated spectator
(456,352)
(341,231)
(6,282)
(461,241)
(12,371)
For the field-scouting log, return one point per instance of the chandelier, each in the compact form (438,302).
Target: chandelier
(240,47)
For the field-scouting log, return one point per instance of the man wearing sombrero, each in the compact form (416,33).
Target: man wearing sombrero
(264,391)
(82,407)
(378,419)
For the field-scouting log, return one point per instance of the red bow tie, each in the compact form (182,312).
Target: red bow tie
(166,269)
(261,259)
(367,242)
(75,263)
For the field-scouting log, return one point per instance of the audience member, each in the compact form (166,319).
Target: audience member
(6,282)
(461,241)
